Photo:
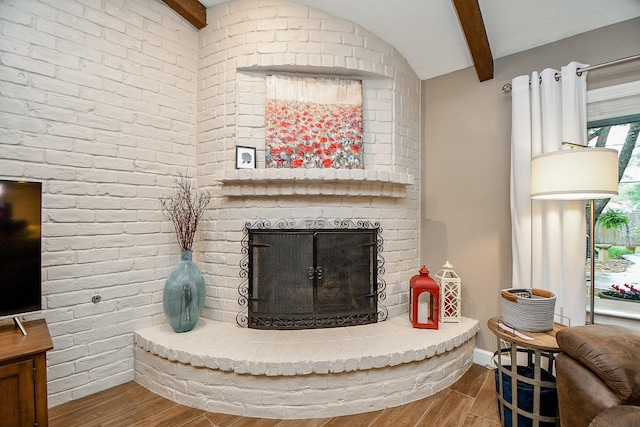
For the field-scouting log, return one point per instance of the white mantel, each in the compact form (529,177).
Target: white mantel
(315,182)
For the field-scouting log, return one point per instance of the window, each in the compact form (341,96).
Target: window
(614,122)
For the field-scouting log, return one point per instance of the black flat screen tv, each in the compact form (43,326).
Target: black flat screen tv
(20,248)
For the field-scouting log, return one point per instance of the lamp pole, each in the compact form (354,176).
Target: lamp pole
(592,263)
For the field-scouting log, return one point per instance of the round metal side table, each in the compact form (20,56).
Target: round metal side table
(530,357)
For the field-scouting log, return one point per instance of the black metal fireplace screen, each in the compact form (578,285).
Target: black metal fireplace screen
(311,274)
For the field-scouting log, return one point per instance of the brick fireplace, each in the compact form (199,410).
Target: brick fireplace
(248,39)
(223,367)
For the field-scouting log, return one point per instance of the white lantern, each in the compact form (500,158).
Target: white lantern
(450,298)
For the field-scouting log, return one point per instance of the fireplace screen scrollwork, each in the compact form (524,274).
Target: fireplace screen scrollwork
(313,273)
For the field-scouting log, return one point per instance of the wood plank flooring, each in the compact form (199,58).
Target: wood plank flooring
(470,402)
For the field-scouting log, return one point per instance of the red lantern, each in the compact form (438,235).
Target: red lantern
(424,301)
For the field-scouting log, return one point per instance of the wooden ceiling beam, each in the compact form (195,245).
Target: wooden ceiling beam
(191,10)
(474,31)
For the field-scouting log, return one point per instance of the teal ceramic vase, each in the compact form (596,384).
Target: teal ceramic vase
(184,294)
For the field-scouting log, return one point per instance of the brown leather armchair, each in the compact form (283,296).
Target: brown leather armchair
(598,376)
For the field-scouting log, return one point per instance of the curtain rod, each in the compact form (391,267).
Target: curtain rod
(507,87)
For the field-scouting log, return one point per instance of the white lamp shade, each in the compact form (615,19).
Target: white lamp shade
(575,174)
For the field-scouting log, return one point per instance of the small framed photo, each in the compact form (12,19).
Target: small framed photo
(245,157)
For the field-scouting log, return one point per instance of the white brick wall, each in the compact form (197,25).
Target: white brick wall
(104,100)
(98,102)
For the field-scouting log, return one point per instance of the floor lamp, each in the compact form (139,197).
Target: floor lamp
(577,174)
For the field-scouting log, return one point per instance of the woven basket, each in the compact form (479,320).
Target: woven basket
(528,310)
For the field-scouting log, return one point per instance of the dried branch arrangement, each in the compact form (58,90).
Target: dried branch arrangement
(185,208)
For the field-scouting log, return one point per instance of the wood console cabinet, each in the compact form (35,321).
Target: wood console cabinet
(23,374)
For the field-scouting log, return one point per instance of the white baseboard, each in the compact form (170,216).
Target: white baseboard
(482,357)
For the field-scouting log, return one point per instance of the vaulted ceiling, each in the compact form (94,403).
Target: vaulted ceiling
(441,36)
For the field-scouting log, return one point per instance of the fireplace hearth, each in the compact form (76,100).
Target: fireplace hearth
(313,273)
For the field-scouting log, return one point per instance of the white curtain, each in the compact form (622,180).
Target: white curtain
(548,237)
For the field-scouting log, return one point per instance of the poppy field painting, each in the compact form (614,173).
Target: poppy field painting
(313,122)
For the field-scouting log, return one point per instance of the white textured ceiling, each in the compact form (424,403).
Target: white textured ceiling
(428,34)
